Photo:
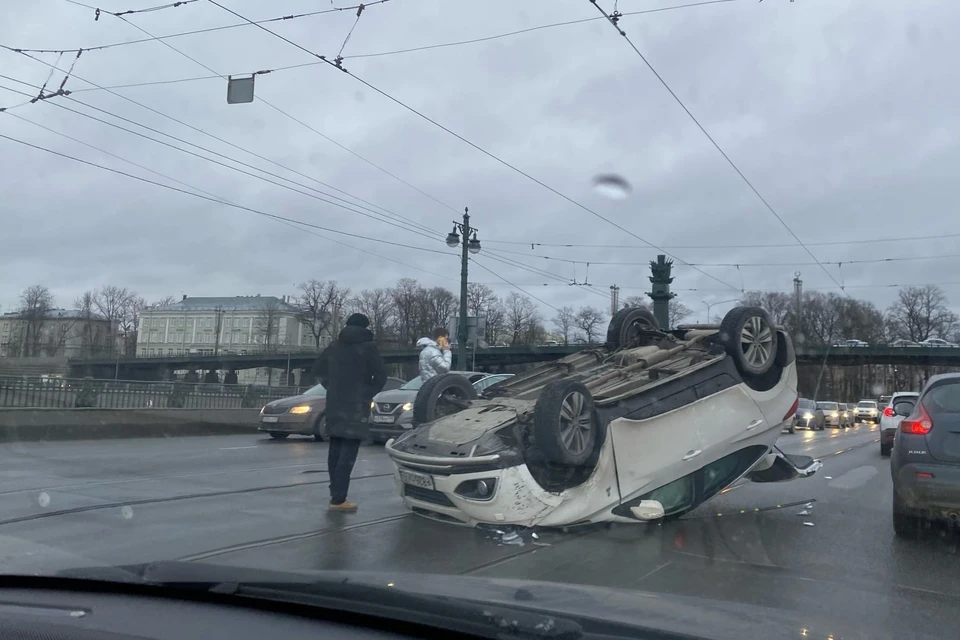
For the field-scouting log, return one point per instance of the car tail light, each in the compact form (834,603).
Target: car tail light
(888,412)
(793,408)
(920,425)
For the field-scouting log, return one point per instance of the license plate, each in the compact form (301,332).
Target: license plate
(270,418)
(421,480)
(383,419)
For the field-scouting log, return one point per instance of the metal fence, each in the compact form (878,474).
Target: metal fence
(70,393)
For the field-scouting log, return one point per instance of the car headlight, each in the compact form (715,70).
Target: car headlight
(834,414)
(373,405)
(808,416)
(261,409)
(301,408)
(408,406)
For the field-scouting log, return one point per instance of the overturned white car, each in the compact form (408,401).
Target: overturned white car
(650,426)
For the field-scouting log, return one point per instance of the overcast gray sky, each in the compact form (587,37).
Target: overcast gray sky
(841,113)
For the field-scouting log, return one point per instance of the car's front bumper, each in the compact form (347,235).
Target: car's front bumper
(868,416)
(301,423)
(937,496)
(805,423)
(516,498)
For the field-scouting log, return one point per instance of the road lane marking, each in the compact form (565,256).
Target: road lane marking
(235,448)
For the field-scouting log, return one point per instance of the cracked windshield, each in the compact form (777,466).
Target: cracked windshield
(549,318)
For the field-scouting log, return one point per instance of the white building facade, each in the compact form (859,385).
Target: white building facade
(237,325)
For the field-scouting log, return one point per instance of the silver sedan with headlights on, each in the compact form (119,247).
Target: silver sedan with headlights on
(303,414)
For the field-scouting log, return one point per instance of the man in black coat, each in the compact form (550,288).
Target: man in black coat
(352,371)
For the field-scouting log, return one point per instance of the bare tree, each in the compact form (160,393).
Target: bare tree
(321,305)
(165,301)
(406,299)
(266,326)
(85,304)
(564,322)
(778,304)
(111,304)
(479,298)
(377,305)
(588,322)
(36,303)
(635,301)
(130,322)
(677,311)
(440,306)
(57,337)
(521,317)
(920,313)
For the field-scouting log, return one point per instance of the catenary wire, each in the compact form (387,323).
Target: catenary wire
(368,55)
(471,144)
(432,235)
(613,22)
(219,139)
(219,201)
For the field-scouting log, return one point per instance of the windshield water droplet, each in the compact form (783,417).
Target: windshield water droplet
(612,186)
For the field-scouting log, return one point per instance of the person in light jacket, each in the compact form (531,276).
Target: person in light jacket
(435,354)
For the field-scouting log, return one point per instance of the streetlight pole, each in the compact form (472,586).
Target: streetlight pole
(469,245)
(712,304)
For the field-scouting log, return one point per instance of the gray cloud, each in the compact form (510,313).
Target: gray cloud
(839,113)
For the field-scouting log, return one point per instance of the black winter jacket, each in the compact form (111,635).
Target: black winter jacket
(352,371)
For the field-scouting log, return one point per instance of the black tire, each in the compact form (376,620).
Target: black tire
(623,328)
(905,524)
(277,435)
(320,429)
(885,450)
(430,403)
(565,424)
(749,337)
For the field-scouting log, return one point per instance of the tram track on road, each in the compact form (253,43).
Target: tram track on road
(176,498)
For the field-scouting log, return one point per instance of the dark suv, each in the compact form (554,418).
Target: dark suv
(925,459)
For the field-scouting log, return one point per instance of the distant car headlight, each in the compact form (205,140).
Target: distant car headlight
(834,414)
(301,408)
(408,406)
(262,408)
(808,416)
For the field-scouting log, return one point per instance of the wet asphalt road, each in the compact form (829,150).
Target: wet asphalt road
(252,501)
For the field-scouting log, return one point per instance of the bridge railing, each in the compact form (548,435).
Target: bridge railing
(71,393)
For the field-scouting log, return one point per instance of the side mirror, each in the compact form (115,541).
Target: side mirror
(904,408)
(647,510)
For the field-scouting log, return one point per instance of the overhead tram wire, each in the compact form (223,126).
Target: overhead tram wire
(197,31)
(276,108)
(205,195)
(247,173)
(512,263)
(222,201)
(302,123)
(219,139)
(471,144)
(569,245)
(613,19)
(838,263)
(362,55)
(517,287)
(295,225)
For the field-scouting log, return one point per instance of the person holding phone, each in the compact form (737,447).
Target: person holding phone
(435,354)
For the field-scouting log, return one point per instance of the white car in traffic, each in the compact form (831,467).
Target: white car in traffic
(650,426)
